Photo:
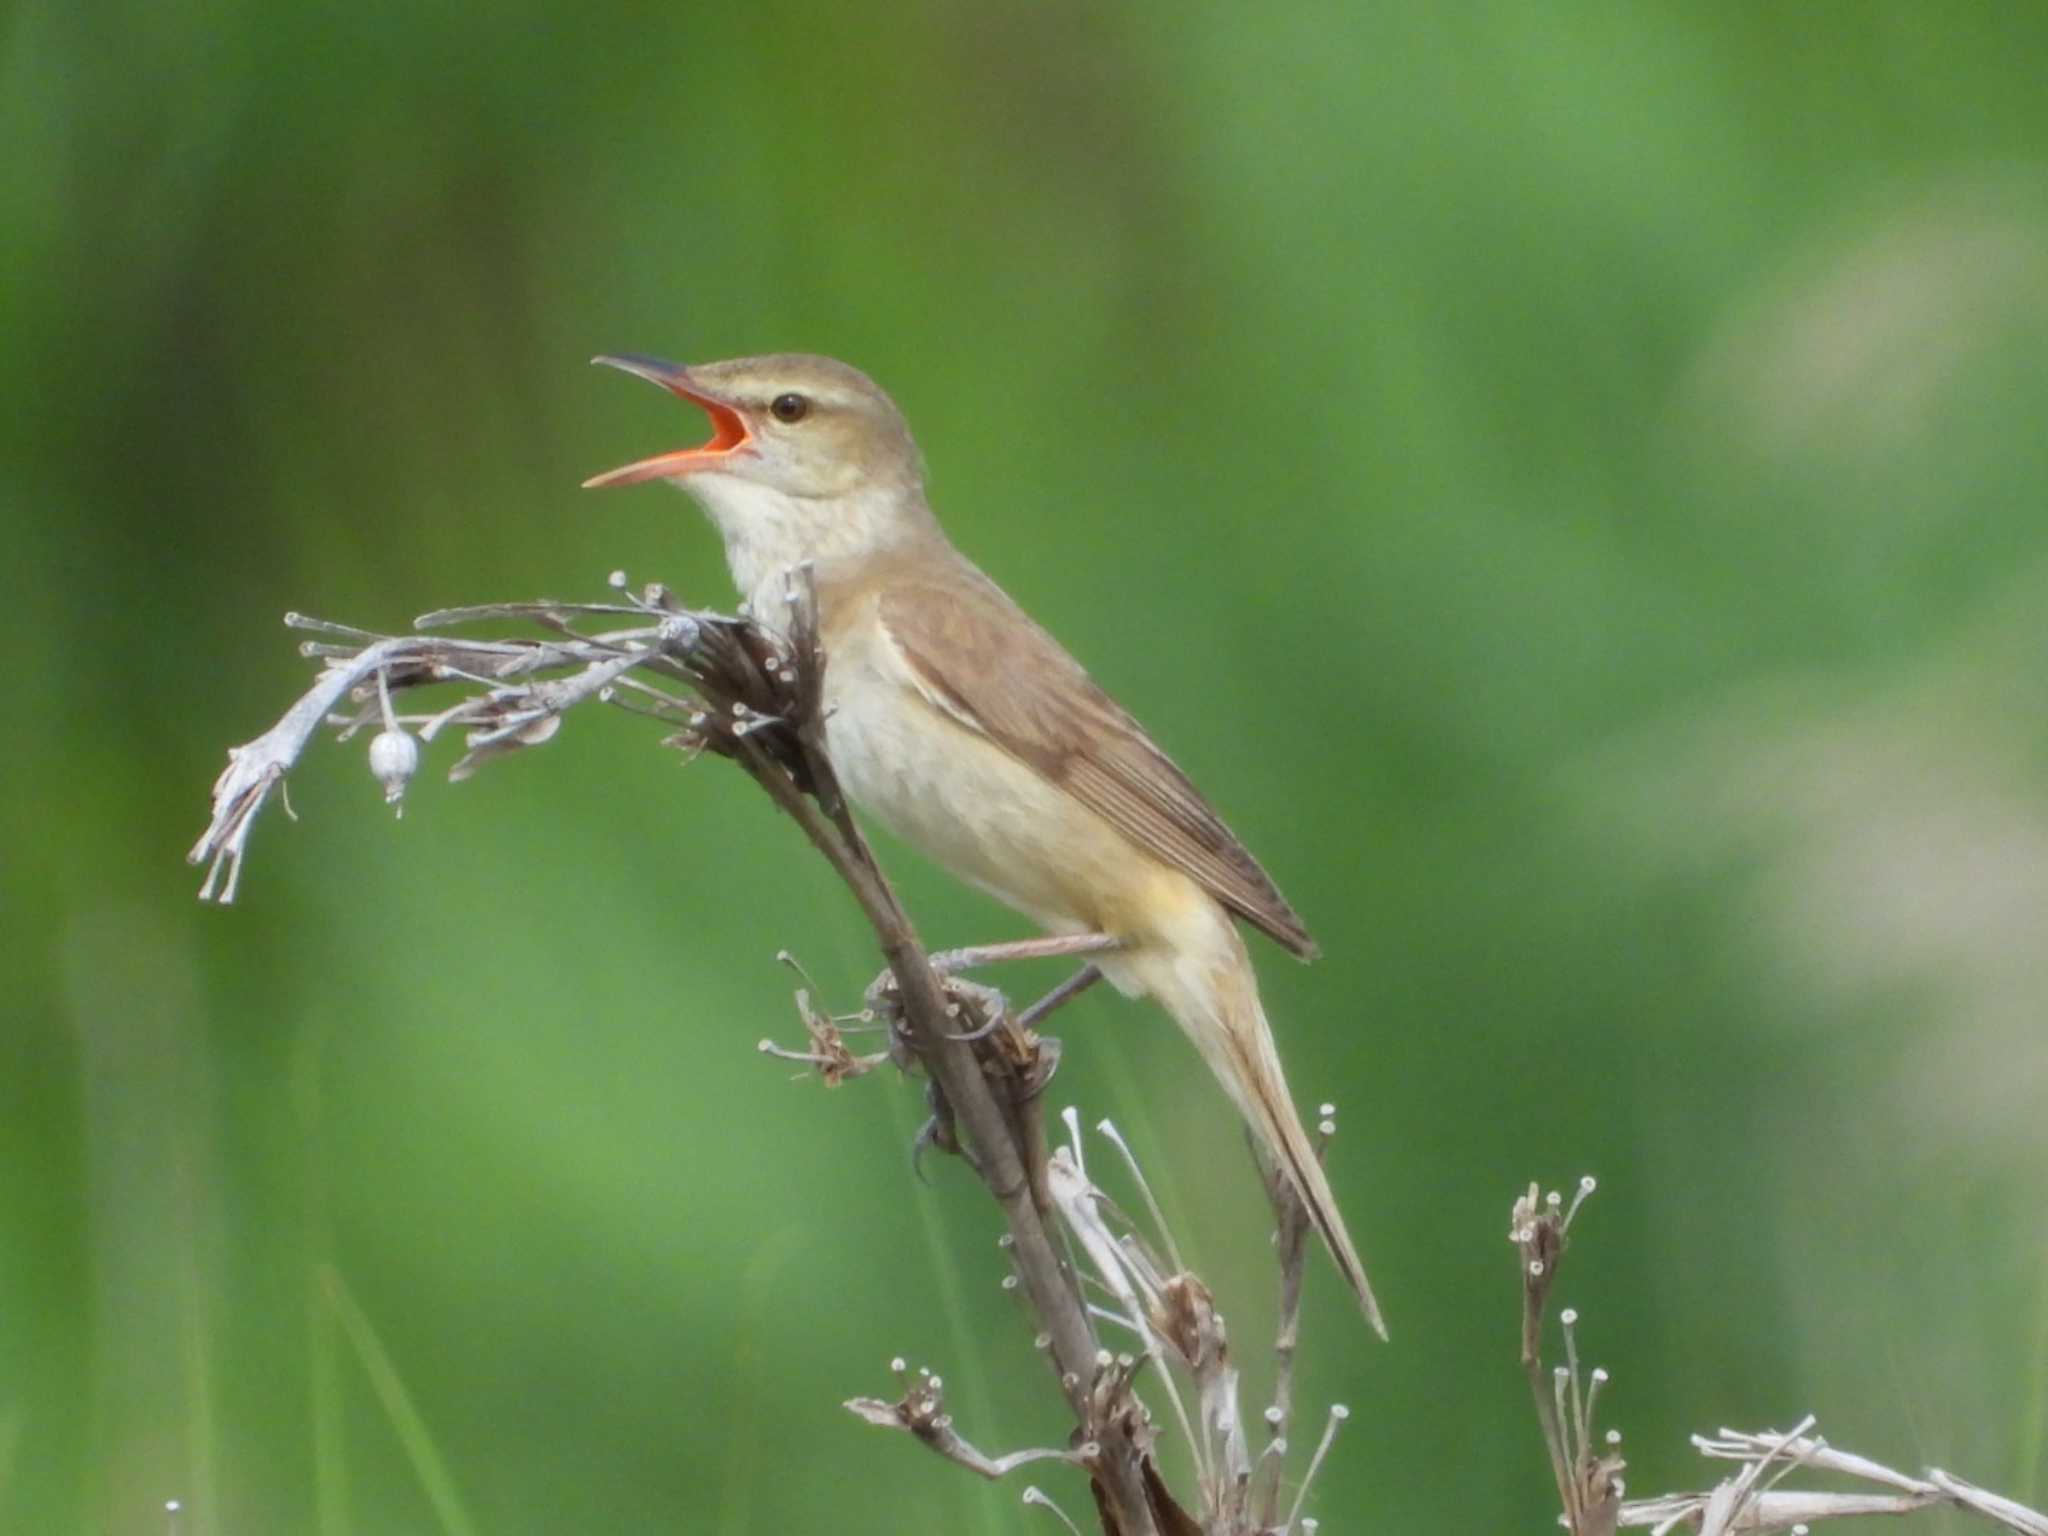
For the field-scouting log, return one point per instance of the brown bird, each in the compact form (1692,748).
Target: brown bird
(964,728)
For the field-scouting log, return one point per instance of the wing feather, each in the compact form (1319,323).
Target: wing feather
(977,655)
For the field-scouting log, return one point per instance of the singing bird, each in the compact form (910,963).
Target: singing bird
(964,728)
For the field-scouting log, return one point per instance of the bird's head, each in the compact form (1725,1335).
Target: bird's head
(806,454)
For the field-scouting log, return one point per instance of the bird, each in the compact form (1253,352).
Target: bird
(961,726)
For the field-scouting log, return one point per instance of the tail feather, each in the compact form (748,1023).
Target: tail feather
(1261,1094)
(1217,1006)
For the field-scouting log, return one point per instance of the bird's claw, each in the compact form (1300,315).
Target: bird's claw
(938,1131)
(927,1136)
(965,995)
(883,995)
(884,999)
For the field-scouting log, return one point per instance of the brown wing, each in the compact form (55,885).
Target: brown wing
(979,655)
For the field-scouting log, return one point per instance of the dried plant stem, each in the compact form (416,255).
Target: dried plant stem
(959,1074)
(754,694)
(927,1016)
(1589,1480)
(1290,1241)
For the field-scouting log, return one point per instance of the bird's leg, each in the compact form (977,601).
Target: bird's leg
(950,962)
(881,993)
(1065,992)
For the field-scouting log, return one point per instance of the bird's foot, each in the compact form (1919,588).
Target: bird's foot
(967,999)
(884,999)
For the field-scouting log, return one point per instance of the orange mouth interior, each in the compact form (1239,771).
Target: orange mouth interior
(728,432)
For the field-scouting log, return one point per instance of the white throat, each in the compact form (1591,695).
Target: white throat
(769,532)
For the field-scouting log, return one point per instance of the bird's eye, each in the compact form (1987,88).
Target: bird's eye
(789,408)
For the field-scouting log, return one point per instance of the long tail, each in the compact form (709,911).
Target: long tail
(1215,1000)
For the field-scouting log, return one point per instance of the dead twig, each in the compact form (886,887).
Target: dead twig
(921,1411)
(1754,1499)
(751,693)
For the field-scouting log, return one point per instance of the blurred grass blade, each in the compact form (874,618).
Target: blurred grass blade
(752,1361)
(405,1418)
(330,1447)
(2033,1437)
(331,1514)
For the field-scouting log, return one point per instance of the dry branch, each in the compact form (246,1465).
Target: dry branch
(752,693)
(1588,1472)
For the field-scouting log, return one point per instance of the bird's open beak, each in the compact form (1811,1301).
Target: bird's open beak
(728,428)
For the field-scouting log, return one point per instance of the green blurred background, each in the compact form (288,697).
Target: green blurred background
(1568,481)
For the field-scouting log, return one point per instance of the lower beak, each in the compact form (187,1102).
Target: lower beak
(728,428)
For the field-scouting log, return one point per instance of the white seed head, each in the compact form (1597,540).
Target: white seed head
(1569,1316)
(394,759)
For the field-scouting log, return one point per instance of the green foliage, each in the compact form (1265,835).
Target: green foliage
(1566,480)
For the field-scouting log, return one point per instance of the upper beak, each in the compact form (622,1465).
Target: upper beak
(728,428)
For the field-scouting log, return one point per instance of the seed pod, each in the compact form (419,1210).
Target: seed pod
(394,759)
